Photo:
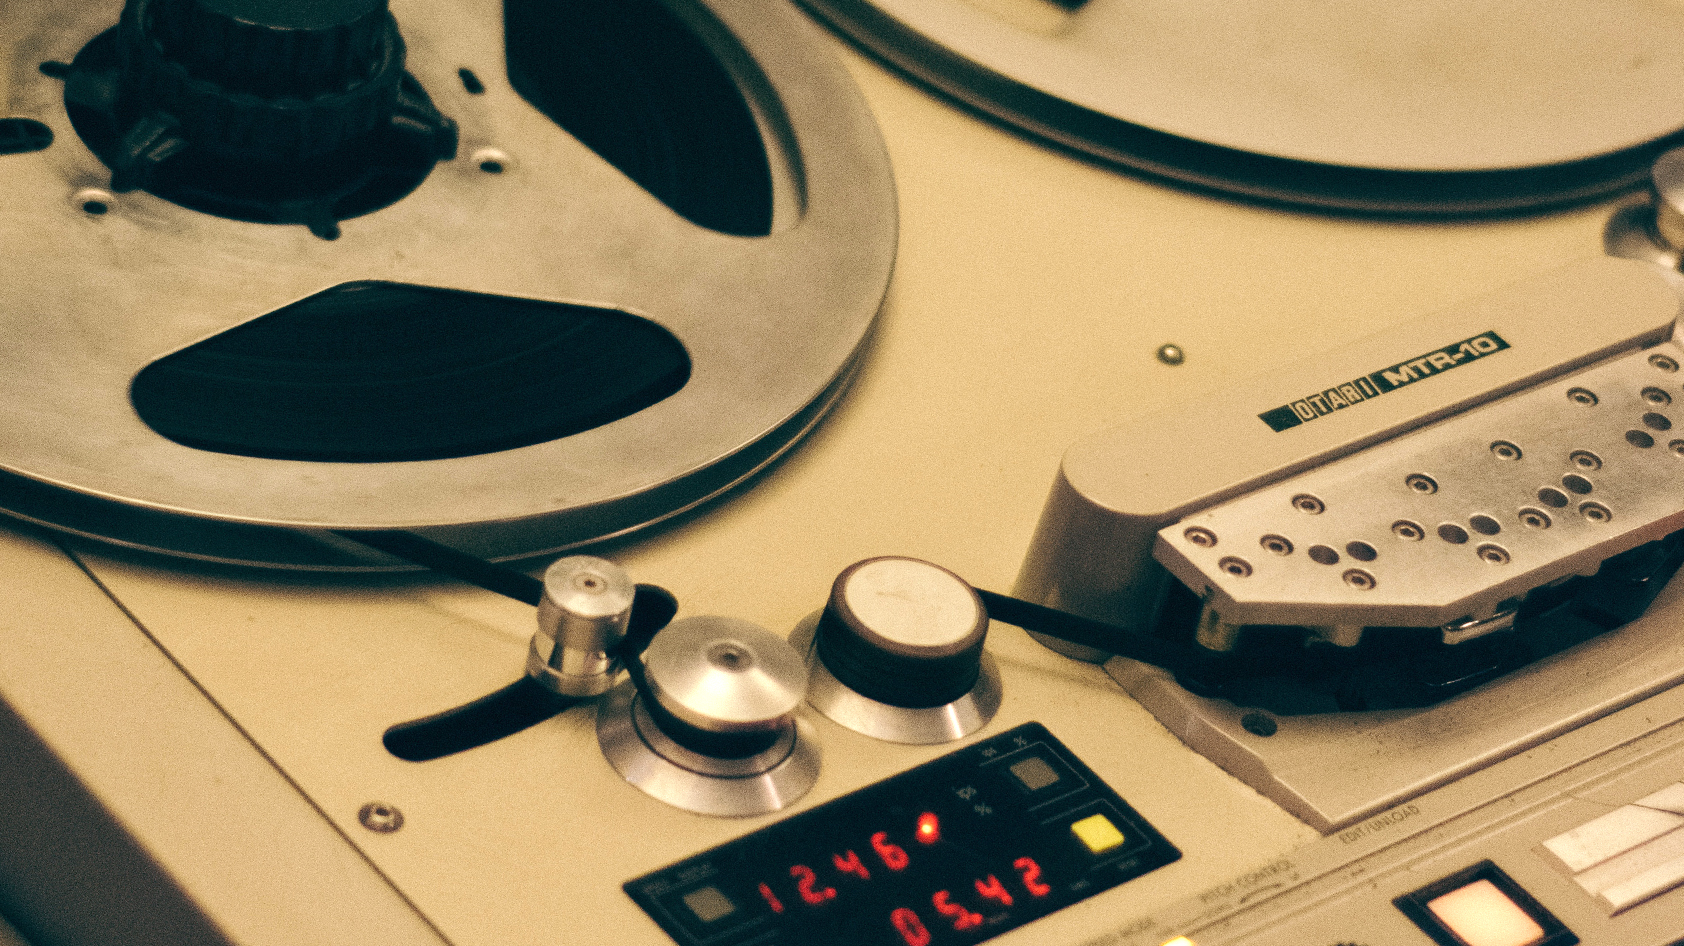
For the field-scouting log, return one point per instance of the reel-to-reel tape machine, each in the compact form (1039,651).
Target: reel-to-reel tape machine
(1349,607)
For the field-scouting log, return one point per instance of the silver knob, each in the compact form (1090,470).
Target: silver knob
(581,618)
(897,653)
(725,675)
(903,632)
(715,729)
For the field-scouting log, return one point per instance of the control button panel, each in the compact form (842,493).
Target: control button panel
(957,850)
(1587,855)
(1629,855)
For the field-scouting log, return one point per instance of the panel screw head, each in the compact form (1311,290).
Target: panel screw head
(1200,536)
(1171,354)
(379,817)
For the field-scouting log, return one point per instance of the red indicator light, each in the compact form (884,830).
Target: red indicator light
(929,828)
(911,929)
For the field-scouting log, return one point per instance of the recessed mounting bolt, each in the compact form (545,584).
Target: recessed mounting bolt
(1171,354)
(379,817)
(492,160)
(1421,483)
(94,201)
(1200,536)
(1233,565)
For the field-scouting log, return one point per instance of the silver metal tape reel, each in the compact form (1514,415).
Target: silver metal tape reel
(1433,108)
(772,325)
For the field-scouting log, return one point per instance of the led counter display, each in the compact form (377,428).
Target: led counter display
(957,850)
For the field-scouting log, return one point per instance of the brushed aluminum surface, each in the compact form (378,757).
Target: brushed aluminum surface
(1443,525)
(766,782)
(724,675)
(772,325)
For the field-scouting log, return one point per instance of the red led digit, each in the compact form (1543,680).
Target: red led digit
(1031,874)
(851,865)
(994,890)
(771,899)
(806,885)
(963,919)
(911,928)
(929,828)
(893,855)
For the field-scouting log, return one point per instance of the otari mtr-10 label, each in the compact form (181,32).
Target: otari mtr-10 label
(955,851)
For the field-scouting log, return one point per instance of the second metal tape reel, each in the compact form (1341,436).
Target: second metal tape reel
(648,269)
(1438,108)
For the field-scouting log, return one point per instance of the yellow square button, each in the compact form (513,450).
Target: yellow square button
(1097,833)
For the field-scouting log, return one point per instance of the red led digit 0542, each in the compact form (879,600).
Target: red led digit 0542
(913,931)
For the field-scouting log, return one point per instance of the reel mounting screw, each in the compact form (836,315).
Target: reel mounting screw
(379,817)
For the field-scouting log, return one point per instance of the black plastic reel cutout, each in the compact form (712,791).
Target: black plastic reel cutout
(632,82)
(372,372)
